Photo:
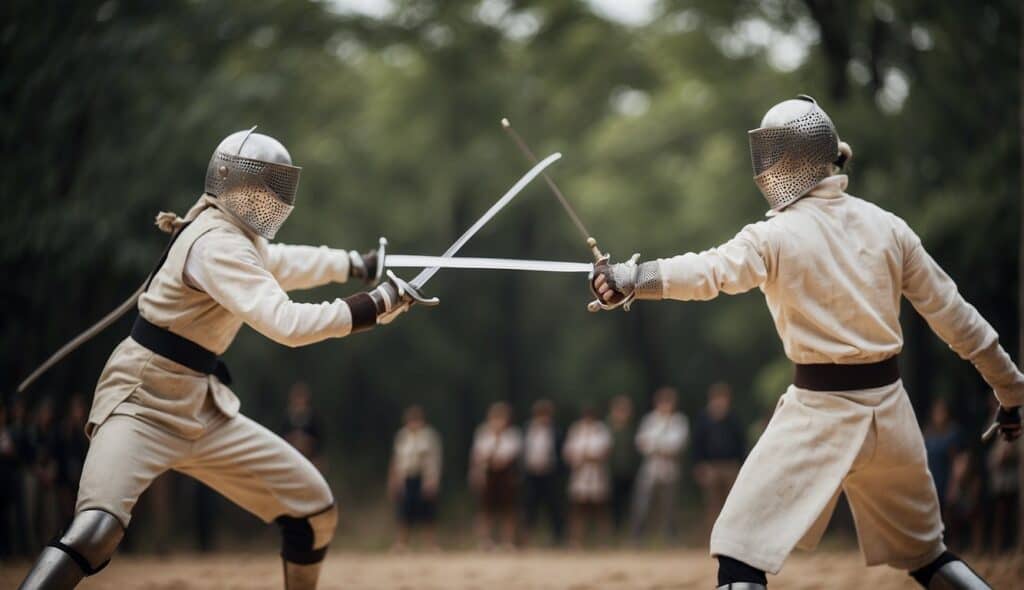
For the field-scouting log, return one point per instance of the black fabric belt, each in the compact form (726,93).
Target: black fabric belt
(829,377)
(179,349)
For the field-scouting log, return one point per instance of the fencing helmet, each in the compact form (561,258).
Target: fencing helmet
(252,176)
(793,150)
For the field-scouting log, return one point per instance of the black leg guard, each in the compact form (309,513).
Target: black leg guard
(949,572)
(84,549)
(736,575)
(304,544)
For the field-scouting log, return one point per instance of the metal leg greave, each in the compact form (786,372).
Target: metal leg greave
(83,549)
(299,576)
(54,570)
(956,575)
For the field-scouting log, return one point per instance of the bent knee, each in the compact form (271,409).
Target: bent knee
(305,539)
(324,524)
(91,539)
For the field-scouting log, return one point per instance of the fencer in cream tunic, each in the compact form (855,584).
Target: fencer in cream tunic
(833,269)
(151,414)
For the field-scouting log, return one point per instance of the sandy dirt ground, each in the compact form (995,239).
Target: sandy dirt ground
(529,571)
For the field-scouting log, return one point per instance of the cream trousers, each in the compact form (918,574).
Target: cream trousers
(247,463)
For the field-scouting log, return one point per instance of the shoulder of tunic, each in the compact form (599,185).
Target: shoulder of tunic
(899,226)
(226,240)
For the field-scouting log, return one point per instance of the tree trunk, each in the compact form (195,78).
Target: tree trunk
(834,17)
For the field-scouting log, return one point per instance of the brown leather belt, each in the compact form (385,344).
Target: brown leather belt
(830,377)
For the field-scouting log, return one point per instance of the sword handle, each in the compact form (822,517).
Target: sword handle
(595,305)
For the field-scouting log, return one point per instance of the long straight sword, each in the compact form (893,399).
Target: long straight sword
(417,261)
(419,280)
(530,157)
(599,257)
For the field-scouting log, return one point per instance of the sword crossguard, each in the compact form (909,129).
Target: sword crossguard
(404,288)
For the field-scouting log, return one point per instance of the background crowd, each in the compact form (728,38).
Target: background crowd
(587,477)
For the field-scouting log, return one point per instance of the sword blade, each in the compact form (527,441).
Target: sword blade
(518,140)
(417,261)
(525,149)
(419,280)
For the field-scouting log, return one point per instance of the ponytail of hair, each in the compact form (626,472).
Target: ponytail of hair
(845,155)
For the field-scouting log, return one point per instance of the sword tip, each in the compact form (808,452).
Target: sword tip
(505,123)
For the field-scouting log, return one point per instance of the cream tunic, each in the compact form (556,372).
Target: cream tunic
(586,451)
(243,280)
(660,439)
(832,268)
(417,453)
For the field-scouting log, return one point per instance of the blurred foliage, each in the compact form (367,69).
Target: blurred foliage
(109,111)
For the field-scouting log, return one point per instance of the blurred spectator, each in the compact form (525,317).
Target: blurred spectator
(1002,461)
(493,475)
(414,477)
(942,441)
(301,427)
(718,449)
(623,457)
(540,461)
(16,431)
(43,444)
(10,486)
(660,440)
(964,508)
(586,451)
(72,448)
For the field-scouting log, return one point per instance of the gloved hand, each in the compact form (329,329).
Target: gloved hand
(619,284)
(369,266)
(395,296)
(1008,423)
(364,266)
(613,284)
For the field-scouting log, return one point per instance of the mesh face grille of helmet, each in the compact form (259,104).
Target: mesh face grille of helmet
(255,204)
(282,179)
(788,161)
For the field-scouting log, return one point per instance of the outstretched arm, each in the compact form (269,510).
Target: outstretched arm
(935,296)
(305,267)
(228,267)
(736,266)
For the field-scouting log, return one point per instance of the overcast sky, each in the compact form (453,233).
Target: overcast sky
(633,12)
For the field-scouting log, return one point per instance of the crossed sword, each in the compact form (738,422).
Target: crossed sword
(431,264)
